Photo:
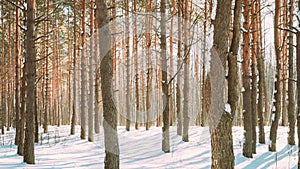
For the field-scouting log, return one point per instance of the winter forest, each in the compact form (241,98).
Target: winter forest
(149,84)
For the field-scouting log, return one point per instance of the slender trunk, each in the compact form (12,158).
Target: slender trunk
(186,118)
(291,90)
(179,53)
(91,77)
(149,63)
(45,125)
(284,64)
(3,77)
(165,96)
(260,65)
(135,52)
(204,91)
(247,148)
(254,79)
(83,104)
(17,76)
(69,72)
(277,104)
(127,43)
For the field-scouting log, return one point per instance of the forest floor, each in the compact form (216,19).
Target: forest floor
(142,149)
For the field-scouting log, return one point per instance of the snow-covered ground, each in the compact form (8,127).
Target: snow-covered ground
(142,149)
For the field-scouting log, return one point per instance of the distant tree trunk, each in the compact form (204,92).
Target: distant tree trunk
(254,52)
(69,71)
(3,77)
(165,87)
(284,64)
(109,109)
(186,118)
(172,113)
(17,75)
(179,53)
(291,90)
(277,103)
(91,77)
(204,109)
(30,75)
(260,67)
(135,52)
(233,78)
(45,125)
(220,121)
(83,105)
(73,121)
(127,43)
(247,148)
(149,64)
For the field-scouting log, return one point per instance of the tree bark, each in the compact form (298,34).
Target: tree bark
(109,109)
(220,121)
(73,121)
(277,104)
(30,75)
(127,40)
(17,75)
(91,77)
(291,90)
(165,85)
(186,118)
(83,103)
(179,53)
(247,147)
(260,66)
(254,79)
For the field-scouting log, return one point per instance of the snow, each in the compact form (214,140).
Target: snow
(228,108)
(142,149)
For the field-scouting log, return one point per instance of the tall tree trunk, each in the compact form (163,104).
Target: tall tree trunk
(83,74)
(17,75)
(220,121)
(3,77)
(135,52)
(260,67)
(233,78)
(47,93)
(247,148)
(277,104)
(186,118)
(69,71)
(291,90)
(172,113)
(30,75)
(149,64)
(91,77)
(204,107)
(254,52)
(179,53)
(127,43)
(109,109)
(284,64)
(165,88)
(73,121)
